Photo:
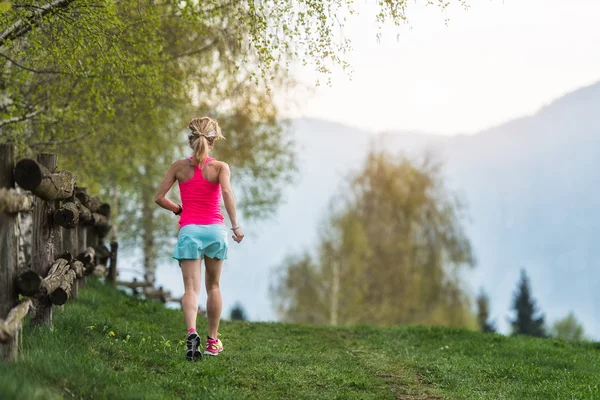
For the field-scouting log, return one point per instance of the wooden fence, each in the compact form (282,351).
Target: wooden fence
(68,231)
(147,291)
(67,242)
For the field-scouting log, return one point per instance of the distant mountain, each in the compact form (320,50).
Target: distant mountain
(531,190)
(532,194)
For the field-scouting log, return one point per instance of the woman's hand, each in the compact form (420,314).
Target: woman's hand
(238,235)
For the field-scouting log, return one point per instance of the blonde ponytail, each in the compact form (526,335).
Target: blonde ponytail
(201,150)
(203,130)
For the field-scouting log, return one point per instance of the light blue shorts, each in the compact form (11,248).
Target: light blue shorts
(197,241)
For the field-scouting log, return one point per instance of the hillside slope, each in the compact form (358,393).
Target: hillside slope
(106,345)
(530,187)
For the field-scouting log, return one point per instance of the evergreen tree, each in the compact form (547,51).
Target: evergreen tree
(483,313)
(526,321)
(238,313)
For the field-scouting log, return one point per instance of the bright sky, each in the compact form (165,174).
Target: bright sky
(497,61)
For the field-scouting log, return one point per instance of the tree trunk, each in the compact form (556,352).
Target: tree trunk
(148,233)
(114,245)
(112,273)
(115,213)
(24,223)
(9,243)
(42,252)
(335,293)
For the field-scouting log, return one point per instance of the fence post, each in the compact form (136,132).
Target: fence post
(43,242)
(92,237)
(9,243)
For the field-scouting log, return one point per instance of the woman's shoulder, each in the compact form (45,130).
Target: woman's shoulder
(179,165)
(217,163)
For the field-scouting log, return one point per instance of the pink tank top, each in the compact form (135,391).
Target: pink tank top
(200,199)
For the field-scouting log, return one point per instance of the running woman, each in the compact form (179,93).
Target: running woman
(202,231)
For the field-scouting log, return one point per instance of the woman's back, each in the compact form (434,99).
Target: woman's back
(200,194)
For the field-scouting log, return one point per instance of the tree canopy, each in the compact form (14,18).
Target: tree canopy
(119,77)
(568,329)
(391,252)
(110,85)
(100,52)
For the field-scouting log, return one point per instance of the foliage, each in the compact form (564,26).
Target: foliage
(391,252)
(98,53)
(109,85)
(106,345)
(526,320)
(483,313)
(568,329)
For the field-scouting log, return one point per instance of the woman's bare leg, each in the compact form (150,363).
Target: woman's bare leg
(214,303)
(191,271)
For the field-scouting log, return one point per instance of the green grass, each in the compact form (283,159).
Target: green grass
(106,345)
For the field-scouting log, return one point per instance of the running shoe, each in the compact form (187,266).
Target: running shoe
(213,346)
(193,347)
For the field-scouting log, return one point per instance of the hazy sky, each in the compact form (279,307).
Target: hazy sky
(494,62)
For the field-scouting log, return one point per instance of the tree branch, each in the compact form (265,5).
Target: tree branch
(59,142)
(196,51)
(21,117)
(35,71)
(24,25)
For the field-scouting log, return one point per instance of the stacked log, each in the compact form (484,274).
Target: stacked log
(67,215)
(11,201)
(10,326)
(101,271)
(28,283)
(58,285)
(34,176)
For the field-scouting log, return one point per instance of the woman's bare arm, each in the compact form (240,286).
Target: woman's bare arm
(229,200)
(166,184)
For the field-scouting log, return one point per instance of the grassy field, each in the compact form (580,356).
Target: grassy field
(106,345)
